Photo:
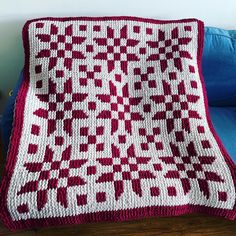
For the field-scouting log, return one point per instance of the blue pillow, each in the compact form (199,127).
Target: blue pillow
(8,113)
(219,66)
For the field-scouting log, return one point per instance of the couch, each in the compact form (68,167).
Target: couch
(219,70)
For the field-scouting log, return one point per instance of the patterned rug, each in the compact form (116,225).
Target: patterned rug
(111,123)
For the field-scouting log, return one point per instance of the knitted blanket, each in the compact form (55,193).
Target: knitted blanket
(112,123)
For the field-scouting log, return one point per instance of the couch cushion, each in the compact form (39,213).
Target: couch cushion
(224,122)
(219,66)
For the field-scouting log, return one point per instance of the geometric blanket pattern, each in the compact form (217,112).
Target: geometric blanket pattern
(112,123)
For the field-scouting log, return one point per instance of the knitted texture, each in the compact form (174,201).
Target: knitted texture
(111,123)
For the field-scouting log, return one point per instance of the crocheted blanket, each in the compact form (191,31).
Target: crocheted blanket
(112,123)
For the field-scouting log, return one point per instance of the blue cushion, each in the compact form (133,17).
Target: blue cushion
(7,117)
(224,122)
(219,66)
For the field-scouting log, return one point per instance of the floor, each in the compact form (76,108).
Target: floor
(187,225)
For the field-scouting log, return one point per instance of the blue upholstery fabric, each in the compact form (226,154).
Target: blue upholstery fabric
(219,66)
(224,122)
(219,70)
(7,117)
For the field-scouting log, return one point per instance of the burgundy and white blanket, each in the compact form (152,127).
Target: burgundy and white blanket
(112,123)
